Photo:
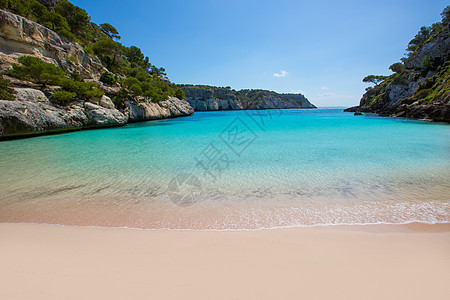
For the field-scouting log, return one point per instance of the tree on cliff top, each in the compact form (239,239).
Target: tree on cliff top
(110,31)
(397,67)
(446,15)
(420,38)
(135,56)
(376,79)
(426,33)
(77,18)
(110,53)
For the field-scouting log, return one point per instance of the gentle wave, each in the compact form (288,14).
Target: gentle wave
(230,230)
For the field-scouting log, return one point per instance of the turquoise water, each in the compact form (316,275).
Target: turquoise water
(232,170)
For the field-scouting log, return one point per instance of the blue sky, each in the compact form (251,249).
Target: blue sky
(322,49)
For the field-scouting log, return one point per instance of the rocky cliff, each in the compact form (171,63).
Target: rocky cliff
(33,114)
(420,85)
(206,98)
(20,36)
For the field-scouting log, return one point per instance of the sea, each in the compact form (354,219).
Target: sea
(232,170)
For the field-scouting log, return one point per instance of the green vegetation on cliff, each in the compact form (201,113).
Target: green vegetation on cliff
(35,70)
(423,77)
(247,95)
(254,95)
(65,18)
(127,67)
(207,98)
(6,92)
(434,87)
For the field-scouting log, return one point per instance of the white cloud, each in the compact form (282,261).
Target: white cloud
(326,94)
(298,92)
(324,88)
(282,73)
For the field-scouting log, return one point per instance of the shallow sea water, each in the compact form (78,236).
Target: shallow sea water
(232,170)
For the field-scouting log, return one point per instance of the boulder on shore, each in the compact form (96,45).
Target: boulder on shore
(145,109)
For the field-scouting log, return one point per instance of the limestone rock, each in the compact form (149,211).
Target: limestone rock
(100,116)
(27,117)
(106,102)
(145,110)
(20,36)
(24,117)
(236,105)
(32,95)
(110,90)
(438,49)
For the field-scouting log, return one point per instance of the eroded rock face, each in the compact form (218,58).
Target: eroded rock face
(20,36)
(32,95)
(33,115)
(106,102)
(17,117)
(438,49)
(145,110)
(32,112)
(101,116)
(400,91)
(438,111)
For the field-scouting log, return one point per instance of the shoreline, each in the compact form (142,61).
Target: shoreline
(417,225)
(357,109)
(345,262)
(58,131)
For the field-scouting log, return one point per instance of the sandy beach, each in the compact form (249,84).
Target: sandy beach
(338,262)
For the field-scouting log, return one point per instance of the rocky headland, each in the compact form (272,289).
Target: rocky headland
(209,98)
(420,85)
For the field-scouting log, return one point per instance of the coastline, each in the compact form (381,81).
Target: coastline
(345,262)
(359,111)
(57,131)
